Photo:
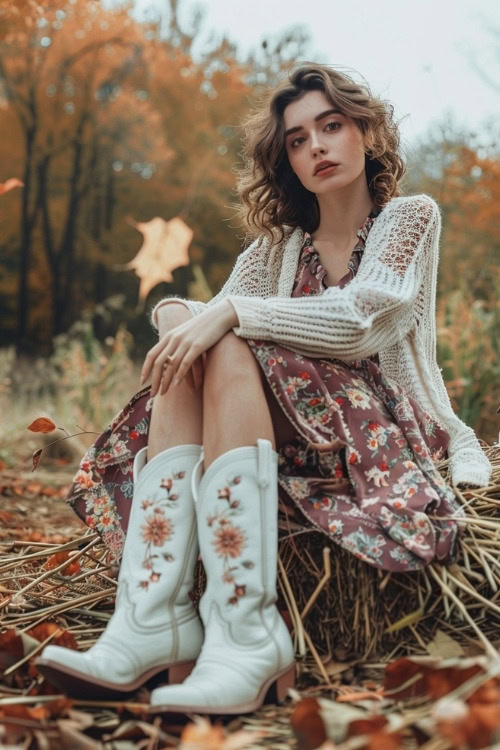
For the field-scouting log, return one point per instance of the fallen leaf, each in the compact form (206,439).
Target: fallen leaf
(444,646)
(201,735)
(473,727)
(307,724)
(61,638)
(337,717)
(360,696)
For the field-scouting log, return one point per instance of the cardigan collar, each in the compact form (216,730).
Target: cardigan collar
(291,246)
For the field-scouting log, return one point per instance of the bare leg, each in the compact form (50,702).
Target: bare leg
(235,404)
(176,417)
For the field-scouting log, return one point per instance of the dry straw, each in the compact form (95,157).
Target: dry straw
(340,608)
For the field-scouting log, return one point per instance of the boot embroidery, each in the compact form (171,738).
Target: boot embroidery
(229,540)
(158,528)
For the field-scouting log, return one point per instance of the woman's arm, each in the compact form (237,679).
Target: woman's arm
(374,311)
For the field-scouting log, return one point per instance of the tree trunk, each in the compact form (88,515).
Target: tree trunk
(27,222)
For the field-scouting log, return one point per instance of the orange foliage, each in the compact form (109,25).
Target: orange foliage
(8,185)
(57,559)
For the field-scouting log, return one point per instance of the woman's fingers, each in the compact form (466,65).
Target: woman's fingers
(190,380)
(175,370)
(197,370)
(163,371)
(151,358)
(183,364)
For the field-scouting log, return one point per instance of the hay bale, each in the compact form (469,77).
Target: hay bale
(362,612)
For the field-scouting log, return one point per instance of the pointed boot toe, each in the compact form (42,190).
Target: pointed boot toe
(155,627)
(247,655)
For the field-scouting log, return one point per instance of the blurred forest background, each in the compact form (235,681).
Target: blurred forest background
(109,121)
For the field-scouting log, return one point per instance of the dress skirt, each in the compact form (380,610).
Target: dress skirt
(361,467)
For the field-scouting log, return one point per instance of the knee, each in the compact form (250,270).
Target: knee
(229,359)
(172,315)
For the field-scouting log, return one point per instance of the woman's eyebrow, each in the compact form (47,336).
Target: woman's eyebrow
(318,117)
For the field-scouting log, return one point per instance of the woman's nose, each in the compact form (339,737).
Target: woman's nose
(316,145)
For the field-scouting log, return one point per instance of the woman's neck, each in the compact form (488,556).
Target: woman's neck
(342,212)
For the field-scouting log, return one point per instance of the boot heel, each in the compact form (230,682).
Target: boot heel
(284,682)
(277,693)
(178,672)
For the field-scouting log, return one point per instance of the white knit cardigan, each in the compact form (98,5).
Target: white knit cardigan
(388,308)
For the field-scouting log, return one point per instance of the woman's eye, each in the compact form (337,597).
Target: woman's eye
(294,142)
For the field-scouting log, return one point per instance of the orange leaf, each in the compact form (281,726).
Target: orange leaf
(36,458)
(443,680)
(164,249)
(307,724)
(58,707)
(360,696)
(477,729)
(62,637)
(11,648)
(404,678)
(10,184)
(59,557)
(42,424)
(375,729)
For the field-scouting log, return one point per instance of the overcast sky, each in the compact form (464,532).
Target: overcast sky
(415,54)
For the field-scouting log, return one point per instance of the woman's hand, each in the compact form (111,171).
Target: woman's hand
(181,347)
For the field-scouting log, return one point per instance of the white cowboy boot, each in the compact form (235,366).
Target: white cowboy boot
(247,648)
(155,626)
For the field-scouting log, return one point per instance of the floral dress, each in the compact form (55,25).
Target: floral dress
(361,467)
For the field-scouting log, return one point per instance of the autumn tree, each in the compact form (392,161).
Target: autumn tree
(108,121)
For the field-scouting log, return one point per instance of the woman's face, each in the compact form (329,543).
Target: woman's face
(319,134)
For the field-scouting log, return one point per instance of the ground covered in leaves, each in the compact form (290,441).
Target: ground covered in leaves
(56,587)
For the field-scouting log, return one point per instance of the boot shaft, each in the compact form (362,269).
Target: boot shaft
(236,509)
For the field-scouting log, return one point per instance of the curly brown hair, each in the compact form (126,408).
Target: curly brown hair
(271,195)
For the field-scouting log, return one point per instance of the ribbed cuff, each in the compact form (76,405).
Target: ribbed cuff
(471,474)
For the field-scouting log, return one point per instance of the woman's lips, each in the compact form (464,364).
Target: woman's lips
(326,170)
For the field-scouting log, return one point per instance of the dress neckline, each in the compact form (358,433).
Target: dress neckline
(357,251)
(362,231)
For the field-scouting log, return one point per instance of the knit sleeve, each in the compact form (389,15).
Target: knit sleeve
(244,279)
(373,311)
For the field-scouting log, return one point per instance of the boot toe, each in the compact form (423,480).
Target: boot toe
(64,657)
(181,697)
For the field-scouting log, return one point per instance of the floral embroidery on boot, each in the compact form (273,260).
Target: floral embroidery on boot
(157,528)
(229,540)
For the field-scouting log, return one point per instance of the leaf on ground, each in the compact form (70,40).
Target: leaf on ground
(201,735)
(376,729)
(48,710)
(58,558)
(61,638)
(463,725)
(444,646)
(307,724)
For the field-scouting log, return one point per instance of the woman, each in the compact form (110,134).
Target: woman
(312,373)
